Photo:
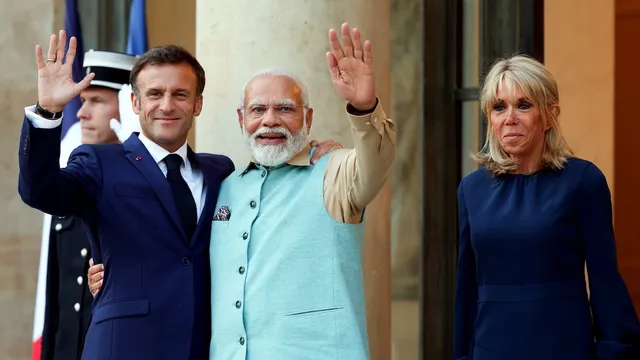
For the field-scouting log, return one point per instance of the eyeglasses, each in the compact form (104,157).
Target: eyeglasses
(282,110)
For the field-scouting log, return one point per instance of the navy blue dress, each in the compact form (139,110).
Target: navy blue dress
(521,290)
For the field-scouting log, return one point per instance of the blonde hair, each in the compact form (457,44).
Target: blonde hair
(539,87)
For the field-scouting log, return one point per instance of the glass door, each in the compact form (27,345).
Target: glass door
(491,30)
(462,39)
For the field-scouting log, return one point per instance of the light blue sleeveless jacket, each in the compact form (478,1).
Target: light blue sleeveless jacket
(286,278)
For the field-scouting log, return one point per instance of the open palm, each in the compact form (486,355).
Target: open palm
(351,68)
(55,82)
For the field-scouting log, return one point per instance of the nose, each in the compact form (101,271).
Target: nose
(166,104)
(83,112)
(270,118)
(510,116)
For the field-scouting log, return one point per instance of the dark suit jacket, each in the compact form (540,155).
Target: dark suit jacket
(68,300)
(155,299)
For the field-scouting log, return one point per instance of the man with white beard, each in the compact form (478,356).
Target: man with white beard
(274,152)
(287,235)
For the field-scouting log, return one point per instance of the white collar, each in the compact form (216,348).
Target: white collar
(158,153)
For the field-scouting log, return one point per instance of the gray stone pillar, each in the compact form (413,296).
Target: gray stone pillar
(24,24)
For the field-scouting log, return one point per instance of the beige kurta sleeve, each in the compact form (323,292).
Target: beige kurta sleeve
(354,177)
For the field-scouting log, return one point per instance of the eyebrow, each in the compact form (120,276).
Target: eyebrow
(91,98)
(522,99)
(172,91)
(262,103)
(287,102)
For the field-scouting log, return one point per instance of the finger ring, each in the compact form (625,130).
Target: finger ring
(51,60)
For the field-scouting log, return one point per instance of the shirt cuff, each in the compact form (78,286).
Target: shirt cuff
(376,119)
(353,111)
(38,121)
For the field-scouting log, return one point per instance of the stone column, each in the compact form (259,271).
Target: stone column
(23,24)
(406,198)
(164,12)
(236,39)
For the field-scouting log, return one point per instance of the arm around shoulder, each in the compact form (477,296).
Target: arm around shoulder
(617,329)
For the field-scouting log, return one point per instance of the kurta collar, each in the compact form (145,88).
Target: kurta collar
(303,158)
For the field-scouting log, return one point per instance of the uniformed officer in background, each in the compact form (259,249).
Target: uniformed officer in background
(63,304)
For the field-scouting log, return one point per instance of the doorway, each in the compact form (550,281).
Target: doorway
(462,39)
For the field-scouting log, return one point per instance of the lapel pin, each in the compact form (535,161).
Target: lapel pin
(138,158)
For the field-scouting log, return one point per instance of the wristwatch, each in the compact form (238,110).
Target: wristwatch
(47,114)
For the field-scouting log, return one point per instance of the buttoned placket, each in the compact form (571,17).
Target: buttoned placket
(253,204)
(79,279)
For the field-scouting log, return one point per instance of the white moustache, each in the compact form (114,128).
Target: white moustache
(268,130)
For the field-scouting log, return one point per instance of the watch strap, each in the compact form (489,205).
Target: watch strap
(47,114)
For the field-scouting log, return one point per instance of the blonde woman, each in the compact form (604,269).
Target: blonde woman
(529,219)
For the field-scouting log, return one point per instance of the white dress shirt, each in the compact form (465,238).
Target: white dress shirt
(192,176)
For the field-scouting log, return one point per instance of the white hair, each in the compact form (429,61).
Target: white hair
(277,72)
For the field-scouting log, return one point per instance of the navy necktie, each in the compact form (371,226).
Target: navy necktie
(182,196)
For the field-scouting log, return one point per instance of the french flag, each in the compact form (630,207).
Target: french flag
(70,134)
(137,42)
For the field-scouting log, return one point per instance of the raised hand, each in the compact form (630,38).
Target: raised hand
(351,68)
(55,82)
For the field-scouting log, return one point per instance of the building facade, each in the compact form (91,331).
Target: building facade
(430,57)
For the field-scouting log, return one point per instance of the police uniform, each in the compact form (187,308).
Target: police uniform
(67,305)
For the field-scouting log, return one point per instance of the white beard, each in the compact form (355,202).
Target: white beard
(273,155)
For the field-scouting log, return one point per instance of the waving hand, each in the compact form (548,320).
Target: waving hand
(351,68)
(55,83)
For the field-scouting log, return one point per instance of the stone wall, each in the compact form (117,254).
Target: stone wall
(23,24)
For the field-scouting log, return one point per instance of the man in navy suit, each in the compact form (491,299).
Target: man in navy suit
(142,203)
